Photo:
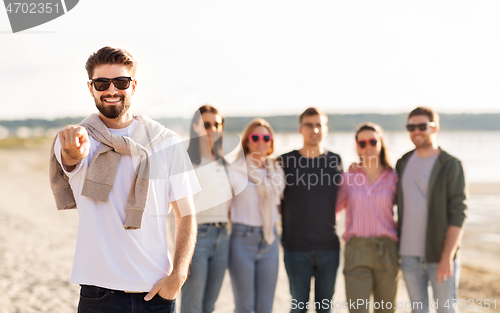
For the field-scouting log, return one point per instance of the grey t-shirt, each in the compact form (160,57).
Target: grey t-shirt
(415,185)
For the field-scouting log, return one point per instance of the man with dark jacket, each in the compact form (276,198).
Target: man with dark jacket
(431,210)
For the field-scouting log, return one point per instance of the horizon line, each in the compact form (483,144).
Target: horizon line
(250,116)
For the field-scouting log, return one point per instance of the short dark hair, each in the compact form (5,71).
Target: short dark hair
(108,55)
(312,111)
(433,116)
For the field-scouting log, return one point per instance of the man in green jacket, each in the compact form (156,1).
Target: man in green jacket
(431,210)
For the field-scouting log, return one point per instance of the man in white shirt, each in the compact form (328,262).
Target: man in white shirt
(121,259)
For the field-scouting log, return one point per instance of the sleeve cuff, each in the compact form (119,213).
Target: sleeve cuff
(457,221)
(133,219)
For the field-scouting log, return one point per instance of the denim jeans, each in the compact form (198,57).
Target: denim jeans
(102,300)
(206,273)
(253,266)
(301,266)
(418,274)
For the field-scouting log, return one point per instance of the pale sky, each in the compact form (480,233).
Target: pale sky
(262,57)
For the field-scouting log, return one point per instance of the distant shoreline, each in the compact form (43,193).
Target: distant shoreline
(475,189)
(289,123)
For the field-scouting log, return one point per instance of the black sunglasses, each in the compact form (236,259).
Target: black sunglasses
(362,143)
(102,84)
(209,125)
(421,127)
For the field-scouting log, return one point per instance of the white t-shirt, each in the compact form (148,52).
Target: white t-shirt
(212,202)
(107,254)
(245,205)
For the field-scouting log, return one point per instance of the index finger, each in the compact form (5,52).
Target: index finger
(153,291)
(80,136)
(440,277)
(81,133)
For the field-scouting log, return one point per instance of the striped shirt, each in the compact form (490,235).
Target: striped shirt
(369,208)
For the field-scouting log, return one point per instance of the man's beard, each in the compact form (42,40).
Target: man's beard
(112,111)
(427,142)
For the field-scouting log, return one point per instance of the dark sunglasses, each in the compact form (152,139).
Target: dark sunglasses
(209,125)
(362,143)
(254,137)
(421,127)
(102,84)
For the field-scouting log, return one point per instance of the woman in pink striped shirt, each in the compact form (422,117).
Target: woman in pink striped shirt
(371,255)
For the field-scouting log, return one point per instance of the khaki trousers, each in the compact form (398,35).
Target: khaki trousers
(371,267)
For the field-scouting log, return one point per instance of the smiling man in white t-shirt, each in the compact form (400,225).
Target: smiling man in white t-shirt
(123,173)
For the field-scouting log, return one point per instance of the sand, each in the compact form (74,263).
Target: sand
(37,245)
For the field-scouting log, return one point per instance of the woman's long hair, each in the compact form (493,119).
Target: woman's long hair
(194,138)
(249,129)
(384,158)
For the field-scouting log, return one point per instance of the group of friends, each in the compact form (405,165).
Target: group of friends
(124,173)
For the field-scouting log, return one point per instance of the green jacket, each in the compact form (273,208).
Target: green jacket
(447,201)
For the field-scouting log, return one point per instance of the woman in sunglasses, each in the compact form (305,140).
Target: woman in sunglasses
(368,194)
(210,258)
(254,249)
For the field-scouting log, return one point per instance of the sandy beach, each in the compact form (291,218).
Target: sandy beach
(37,245)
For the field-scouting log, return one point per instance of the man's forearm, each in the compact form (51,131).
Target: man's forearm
(67,159)
(451,243)
(68,162)
(185,240)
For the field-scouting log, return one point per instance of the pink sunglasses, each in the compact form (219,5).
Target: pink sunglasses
(254,137)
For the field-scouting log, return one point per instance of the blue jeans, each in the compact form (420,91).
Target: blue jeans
(301,266)
(418,274)
(102,300)
(206,273)
(253,266)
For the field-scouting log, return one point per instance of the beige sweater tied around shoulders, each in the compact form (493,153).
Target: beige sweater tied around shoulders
(270,188)
(102,169)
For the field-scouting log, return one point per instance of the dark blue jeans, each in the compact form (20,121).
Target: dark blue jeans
(101,300)
(301,267)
